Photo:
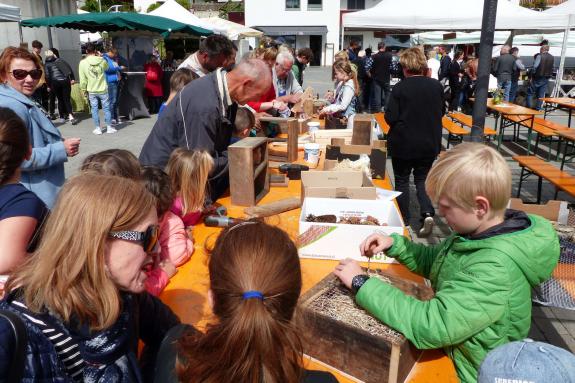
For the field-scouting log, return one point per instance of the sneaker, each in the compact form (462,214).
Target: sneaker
(427,226)
(97,131)
(62,120)
(114,122)
(110,130)
(73,121)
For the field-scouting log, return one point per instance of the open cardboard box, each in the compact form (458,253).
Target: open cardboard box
(337,184)
(340,241)
(557,211)
(339,151)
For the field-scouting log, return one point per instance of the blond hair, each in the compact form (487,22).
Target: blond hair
(67,273)
(189,171)
(344,66)
(413,61)
(470,170)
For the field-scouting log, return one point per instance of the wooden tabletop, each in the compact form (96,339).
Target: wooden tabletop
(187,291)
(567,134)
(511,109)
(567,102)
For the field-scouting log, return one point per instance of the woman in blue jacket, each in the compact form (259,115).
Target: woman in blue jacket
(43,173)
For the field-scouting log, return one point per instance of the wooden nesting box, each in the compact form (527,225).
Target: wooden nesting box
(248,160)
(362,128)
(339,333)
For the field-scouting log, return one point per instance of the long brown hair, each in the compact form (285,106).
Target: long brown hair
(189,171)
(345,67)
(67,273)
(253,340)
(14,144)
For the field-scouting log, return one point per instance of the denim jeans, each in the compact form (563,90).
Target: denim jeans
(380,95)
(113,94)
(513,90)
(506,86)
(103,97)
(402,171)
(537,88)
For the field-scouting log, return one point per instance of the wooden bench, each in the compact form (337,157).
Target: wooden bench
(545,129)
(467,120)
(380,119)
(544,170)
(455,131)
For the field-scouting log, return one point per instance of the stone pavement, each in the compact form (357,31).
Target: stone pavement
(552,325)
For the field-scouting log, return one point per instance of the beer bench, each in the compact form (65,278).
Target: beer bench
(532,165)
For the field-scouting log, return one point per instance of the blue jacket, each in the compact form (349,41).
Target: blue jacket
(113,70)
(43,173)
(43,365)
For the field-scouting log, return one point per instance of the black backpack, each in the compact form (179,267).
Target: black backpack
(20,341)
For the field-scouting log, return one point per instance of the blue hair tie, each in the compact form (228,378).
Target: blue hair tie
(253,294)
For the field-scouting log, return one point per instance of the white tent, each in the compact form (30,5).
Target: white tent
(10,13)
(174,11)
(566,9)
(455,15)
(234,31)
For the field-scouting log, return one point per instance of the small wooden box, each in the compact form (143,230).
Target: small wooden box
(362,128)
(248,160)
(372,353)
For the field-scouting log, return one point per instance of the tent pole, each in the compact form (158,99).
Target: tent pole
(557,90)
(342,35)
(47,12)
(20,32)
(485,44)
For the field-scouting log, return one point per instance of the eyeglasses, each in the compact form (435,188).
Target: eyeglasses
(21,74)
(148,239)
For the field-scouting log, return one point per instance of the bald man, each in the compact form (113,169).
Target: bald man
(202,116)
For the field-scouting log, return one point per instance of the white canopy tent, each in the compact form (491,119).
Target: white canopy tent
(10,13)
(174,11)
(233,31)
(566,9)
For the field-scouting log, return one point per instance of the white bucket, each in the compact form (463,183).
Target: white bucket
(311,152)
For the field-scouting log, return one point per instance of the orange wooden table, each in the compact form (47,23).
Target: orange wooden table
(187,291)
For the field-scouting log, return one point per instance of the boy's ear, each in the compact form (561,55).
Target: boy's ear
(482,206)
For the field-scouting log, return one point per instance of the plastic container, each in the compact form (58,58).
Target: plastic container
(311,152)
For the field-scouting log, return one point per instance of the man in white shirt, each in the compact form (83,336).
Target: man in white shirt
(214,52)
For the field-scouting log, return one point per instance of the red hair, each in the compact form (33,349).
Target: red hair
(11,53)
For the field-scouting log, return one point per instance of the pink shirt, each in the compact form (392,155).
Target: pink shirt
(188,219)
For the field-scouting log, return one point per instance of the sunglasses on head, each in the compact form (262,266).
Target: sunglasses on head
(21,74)
(148,239)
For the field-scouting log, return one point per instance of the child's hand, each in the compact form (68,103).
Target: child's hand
(346,270)
(375,243)
(168,267)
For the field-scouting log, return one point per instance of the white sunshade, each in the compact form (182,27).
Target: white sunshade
(234,30)
(9,13)
(174,11)
(565,8)
(450,15)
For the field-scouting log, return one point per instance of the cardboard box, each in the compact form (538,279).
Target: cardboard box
(553,210)
(339,241)
(376,151)
(337,184)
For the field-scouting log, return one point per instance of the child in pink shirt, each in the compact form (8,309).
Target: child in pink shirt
(176,247)
(189,171)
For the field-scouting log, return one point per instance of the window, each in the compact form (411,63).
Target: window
(292,5)
(314,5)
(355,4)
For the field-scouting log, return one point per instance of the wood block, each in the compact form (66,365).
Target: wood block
(369,352)
(248,161)
(299,106)
(324,136)
(362,128)
(293,132)
(308,107)
(377,153)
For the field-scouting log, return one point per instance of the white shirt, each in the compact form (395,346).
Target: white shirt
(434,65)
(192,63)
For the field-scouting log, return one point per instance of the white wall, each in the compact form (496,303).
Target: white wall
(273,13)
(67,41)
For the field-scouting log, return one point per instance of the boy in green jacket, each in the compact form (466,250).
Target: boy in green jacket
(482,274)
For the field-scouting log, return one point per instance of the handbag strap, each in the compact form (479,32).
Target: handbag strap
(20,342)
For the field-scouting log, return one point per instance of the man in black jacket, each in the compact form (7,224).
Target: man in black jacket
(542,71)
(444,63)
(380,74)
(202,116)
(503,68)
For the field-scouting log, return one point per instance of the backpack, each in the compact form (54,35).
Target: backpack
(20,341)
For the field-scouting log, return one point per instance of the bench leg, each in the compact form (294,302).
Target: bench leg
(536,144)
(448,140)
(556,192)
(539,187)
(520,182)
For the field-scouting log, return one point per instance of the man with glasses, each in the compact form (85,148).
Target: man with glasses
(285,84)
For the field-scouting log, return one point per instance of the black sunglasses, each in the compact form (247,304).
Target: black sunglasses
(148,239)
(21,74)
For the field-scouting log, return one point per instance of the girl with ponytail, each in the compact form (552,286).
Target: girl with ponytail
(255,283)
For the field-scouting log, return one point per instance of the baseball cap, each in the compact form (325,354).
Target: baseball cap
(527,361)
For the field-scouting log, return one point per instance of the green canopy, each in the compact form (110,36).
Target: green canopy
(118,21)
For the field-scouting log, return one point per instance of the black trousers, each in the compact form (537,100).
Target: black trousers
(402,170)
(62,90)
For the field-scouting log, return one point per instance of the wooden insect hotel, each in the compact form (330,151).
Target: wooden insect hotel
(248,159)
(338,332)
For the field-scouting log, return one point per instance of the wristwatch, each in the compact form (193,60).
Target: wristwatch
(358,281)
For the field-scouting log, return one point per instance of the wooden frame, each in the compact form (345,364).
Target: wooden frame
(248,160)
(292,129)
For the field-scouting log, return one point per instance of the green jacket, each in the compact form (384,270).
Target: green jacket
(482,291)
(92,72)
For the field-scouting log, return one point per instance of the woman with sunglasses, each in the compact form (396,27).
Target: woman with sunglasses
(43,173)
(82,294)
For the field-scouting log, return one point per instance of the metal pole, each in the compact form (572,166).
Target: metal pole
(484,68)
(100,5)
(47,13)
(557,90)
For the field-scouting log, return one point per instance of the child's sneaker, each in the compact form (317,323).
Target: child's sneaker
(110,130)
(97,131)
(427,225)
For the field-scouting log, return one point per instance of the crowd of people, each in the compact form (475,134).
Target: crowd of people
(85,260)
